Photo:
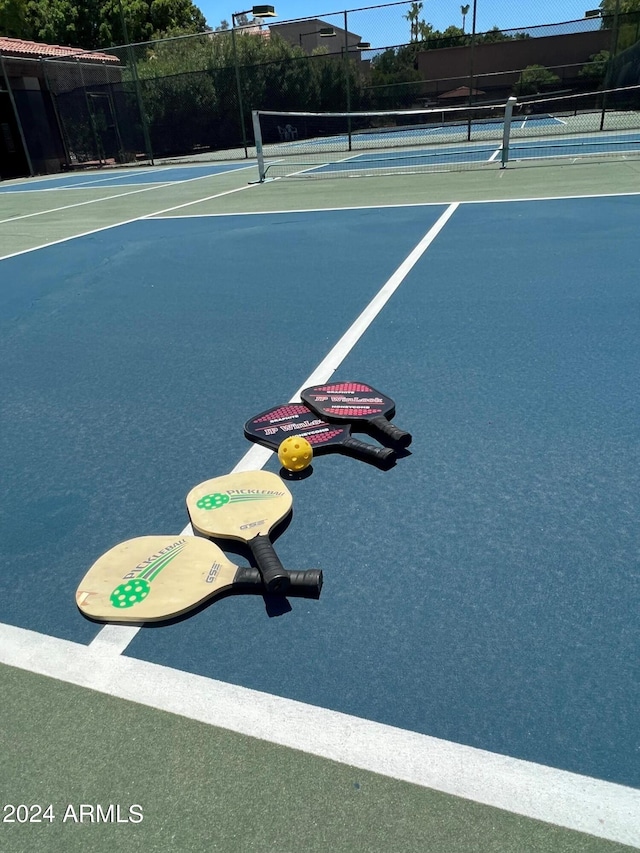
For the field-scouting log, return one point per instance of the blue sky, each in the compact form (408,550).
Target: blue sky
(387,26)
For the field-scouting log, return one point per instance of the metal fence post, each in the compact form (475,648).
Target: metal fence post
(136,84)
(347,77)
(614,47)
(239,88)
(143,115)
(471,57)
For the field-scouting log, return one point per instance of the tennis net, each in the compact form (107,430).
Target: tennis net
(591,124)
(308,145)
(526,130)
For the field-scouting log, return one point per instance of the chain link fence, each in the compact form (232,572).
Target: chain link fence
(191,97)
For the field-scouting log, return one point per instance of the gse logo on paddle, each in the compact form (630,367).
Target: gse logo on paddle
(220,499)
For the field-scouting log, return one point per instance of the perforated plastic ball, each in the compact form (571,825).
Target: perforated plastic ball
(295,453)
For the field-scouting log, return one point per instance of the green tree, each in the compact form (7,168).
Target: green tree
(91,24)
(64,22)
(596,68)
(608,7)
(191,91)
(13,19)
(535,79)
(627,24)
(495,34)
(148,19)
(451,37)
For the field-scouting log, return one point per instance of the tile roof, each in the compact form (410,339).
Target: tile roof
(22,47)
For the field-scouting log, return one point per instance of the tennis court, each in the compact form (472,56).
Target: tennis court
(468,678)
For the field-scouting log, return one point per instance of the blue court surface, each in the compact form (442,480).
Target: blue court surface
(461,127)
(122,178)
(485,590)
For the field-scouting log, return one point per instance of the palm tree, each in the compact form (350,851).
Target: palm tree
(465,12)
(414,22)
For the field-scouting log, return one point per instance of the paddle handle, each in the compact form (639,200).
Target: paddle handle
(378,454)
(301,584)
(274,576)
(391,431)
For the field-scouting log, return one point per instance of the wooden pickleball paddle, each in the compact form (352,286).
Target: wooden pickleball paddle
(244,506)
(154,578)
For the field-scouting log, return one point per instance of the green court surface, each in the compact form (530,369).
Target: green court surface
(202,788)
(72,740)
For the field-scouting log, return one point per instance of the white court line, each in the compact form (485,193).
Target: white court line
(126,221)
(118,195)
(116,638)
(287,211)
(82,203)
(602,809)
(56,183)
(142,173)
(112,176)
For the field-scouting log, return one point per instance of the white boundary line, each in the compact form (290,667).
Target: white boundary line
(81,203)
(103,183)
(376,206)
(161,185)
(298,210)
(602,809)
(58,182)
(127,221)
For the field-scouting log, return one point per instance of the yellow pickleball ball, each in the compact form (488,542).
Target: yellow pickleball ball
(295,453)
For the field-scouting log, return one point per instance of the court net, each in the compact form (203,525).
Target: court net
(323,144)
(591,124)
(320,145)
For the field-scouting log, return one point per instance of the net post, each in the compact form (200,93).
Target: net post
(257,136)
(506,133)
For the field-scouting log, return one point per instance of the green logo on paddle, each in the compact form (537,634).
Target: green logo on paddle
(220,499)
(136,589)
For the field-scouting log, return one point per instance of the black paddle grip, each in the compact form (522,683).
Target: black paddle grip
(379,454)
(301,584)
(305,584)
(393,433)
(274,576)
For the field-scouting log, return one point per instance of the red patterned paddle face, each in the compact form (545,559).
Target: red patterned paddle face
(270,428)
(341,402)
